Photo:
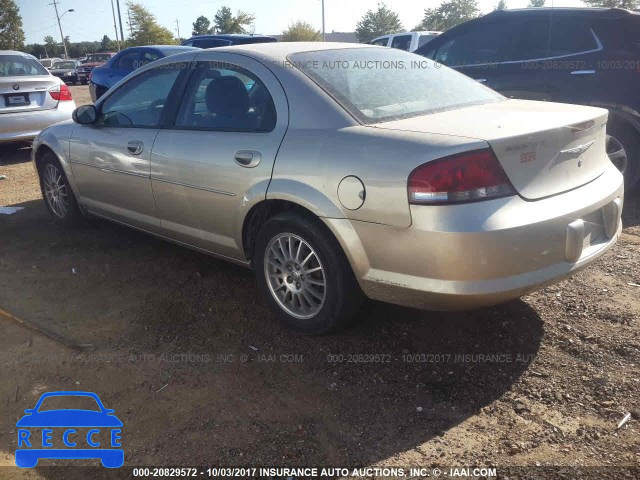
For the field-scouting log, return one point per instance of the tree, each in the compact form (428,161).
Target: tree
(50,46)
(145,30)
(449,14)
(377,23)
(225,22)
(629,4)
(201,26)
(502,5)
(301,32)
(536,3)
(11,33)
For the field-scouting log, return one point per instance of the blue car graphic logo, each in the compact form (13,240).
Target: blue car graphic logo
(66,422)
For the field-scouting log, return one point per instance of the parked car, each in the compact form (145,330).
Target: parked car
(409,41)
(125,62)
(585,56)
(48,62)
(438,193)
(31,98)
(92,61)
(224,40)
(65,70)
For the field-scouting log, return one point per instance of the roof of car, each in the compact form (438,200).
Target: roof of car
(22,54)
(582,11)
(280,50)
(230,36)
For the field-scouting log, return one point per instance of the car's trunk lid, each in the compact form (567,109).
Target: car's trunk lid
(544,148)
(27,93)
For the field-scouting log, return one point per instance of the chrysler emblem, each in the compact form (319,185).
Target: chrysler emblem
(16,86)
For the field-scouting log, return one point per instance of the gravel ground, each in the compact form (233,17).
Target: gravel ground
(200,373)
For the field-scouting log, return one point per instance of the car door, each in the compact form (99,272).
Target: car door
(110,159)
(219,151)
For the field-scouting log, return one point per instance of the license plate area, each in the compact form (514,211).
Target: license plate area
(16,99)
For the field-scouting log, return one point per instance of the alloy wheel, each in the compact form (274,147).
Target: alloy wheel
(295,275)
(55,191)
(617,153)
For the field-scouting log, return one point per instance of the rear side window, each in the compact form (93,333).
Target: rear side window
(424,39)
(402,42)
(532,41)
(226,98)
(128,60)
(570,36)
(17,66)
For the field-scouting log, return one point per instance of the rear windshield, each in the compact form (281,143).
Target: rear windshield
(381,84)
(64,65)
(19,66)
(98,58)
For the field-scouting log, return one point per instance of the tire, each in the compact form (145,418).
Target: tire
(318,310)
(622,135)
(57,194)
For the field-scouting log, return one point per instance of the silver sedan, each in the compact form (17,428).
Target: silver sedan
(31,98)
(339,172)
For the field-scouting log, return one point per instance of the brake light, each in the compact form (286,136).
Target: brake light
(61,93)
(466,177)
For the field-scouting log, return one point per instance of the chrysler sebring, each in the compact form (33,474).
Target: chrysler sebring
(339,171)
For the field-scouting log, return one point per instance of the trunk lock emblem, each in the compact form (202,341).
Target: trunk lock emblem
(16,86)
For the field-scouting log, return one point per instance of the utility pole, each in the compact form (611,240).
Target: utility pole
(113,11)
(120,19)
(178,27)
(324,36)
(64,44)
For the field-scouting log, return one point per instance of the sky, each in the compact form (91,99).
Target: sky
(91,19)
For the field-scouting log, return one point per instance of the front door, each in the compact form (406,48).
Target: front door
(221,148)
(110,159)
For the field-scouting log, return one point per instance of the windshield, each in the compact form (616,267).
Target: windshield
(63,65)
(97,58)
(65,402)
(19,66)
(381,84)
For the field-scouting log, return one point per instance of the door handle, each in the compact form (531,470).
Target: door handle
(135,147)
(583,72)
(480,80)
(247,158)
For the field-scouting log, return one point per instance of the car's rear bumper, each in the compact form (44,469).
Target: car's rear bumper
(16,127)
(467,256)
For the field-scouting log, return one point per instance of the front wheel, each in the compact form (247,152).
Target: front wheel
(304,275)
(57,194)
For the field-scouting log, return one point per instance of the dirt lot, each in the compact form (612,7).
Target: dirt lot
(200,373)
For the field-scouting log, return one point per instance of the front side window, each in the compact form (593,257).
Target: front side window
(227,98)
(532,41)
(481,44)
(381,42)
(380,84)
(139,102)
(402,42)
(17,66)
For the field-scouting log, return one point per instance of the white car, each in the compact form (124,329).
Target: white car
(31,98)
(408,41)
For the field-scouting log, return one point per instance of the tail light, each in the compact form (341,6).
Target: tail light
(466,177)
(61,93)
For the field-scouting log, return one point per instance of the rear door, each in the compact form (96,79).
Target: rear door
(222,146)
(25,85)
(111,159)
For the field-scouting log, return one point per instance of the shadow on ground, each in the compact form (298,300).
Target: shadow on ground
(209,377)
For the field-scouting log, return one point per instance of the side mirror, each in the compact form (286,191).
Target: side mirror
(29,411)
(85,115)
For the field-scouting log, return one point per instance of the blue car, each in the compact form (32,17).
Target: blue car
(122,64)
(32,447)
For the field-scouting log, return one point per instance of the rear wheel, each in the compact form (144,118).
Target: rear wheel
(623,148)
(304,276)
(57,194)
